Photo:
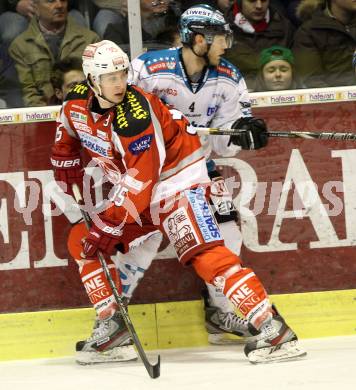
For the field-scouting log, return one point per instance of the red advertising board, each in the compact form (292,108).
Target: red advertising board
(297,200)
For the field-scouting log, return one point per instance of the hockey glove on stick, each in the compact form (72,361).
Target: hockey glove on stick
(253,136)
(103,238)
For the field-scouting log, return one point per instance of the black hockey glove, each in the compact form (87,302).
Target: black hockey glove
(253,136)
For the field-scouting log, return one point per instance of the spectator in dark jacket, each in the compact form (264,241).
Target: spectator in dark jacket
(325,42)
(256,26)
(10,88)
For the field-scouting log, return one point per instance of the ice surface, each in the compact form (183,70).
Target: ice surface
(330,365)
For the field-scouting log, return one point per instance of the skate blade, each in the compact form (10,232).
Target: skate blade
(117,354)
(288,351)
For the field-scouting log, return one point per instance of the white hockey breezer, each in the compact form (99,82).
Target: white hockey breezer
(277,342)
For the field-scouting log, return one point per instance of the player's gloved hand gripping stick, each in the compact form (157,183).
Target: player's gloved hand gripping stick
(152,369)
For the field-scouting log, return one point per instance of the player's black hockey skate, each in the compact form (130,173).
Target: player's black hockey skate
(223,327)
(109,342)
(277,342)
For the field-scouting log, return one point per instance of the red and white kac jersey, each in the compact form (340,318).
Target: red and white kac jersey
(218,99)
(138,138)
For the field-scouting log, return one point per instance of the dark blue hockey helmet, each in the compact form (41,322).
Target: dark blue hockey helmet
(205,20)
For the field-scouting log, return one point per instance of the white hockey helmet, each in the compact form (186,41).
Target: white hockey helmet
(103,57)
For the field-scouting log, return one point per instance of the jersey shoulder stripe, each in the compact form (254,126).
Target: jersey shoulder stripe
(161,61)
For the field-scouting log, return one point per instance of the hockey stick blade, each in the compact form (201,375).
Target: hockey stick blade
(154,370)
(323,135)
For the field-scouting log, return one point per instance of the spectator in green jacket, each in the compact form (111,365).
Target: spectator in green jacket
(256,25)
(51,36)
(325,42)
(16,14)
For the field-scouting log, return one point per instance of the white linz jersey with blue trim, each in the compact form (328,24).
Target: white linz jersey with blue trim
(217,100)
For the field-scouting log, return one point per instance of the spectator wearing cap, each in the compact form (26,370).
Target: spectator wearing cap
(325,42)
(276,70)
(256,25)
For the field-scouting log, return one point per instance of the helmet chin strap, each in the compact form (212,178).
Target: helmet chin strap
(106,99)
(98,93)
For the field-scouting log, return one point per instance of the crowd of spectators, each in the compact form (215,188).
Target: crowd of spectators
(278,44)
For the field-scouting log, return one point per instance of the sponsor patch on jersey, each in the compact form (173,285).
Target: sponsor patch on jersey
(211,110)
(227,71)
(101,134)
(141,144)
(203,215)
(161,65)
(221,197)
(80,89)
(95,144)
(181,232)
(78,116)
(165,91)
(82,127)
(78,107)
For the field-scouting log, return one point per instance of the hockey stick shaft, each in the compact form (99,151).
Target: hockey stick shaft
(324,135)
(152,369)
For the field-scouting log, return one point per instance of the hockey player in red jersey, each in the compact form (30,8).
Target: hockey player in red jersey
(159,181)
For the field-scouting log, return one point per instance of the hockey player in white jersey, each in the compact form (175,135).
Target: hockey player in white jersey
(209,91)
